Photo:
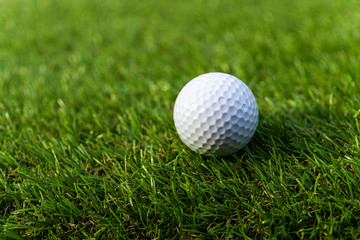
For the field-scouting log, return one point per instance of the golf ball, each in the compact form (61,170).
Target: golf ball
(216,113)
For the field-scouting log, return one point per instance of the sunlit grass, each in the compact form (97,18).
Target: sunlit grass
(88,148)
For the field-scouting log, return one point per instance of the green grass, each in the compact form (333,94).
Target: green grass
(88,148)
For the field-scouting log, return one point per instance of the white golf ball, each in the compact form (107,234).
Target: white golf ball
(216,113)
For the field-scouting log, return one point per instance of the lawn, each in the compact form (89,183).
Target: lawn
(88,148)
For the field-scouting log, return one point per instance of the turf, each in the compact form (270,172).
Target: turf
(88,148)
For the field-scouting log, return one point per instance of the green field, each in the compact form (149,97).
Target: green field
(88,148)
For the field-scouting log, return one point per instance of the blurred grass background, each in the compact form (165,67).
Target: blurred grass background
(88,145)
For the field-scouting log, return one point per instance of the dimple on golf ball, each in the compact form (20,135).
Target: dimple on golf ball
(216,113)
